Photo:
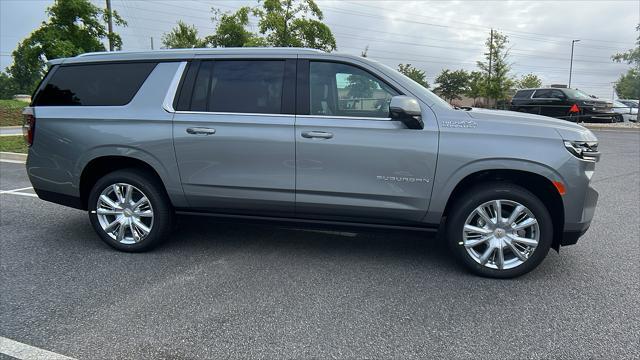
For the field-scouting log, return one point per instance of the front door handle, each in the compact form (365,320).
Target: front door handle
(317,135)
(201,131)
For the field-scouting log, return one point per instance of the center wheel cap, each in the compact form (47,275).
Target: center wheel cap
(500,233)
(128,212)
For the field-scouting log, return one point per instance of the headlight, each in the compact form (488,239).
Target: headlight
(585,150)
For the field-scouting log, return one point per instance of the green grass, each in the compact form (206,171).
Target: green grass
(14,144)
(11,112)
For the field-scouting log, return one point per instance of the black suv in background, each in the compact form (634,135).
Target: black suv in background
(568,104)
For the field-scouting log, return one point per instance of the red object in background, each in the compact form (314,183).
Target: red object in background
(29,128)
(574,109)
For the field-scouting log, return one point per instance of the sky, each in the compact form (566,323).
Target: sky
(431,35)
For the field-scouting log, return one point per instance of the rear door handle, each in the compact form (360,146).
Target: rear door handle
(317,135)
(201,131)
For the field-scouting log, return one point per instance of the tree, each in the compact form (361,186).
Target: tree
(414,74)
(294,23)
(499,82)
(476,85)
(7,86)
(360,86)
(452,84)
(183,36)
(73,27)
(231,30)
(529,81)
(628,86)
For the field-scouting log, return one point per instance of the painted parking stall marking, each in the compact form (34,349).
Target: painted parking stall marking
(23,351)
(19,192)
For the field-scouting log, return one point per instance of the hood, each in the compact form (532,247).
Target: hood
(567,130)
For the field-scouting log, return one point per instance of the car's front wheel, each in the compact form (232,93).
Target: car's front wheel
(499,230)
(130,210)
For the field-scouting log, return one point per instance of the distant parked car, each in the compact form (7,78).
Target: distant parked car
(567,104)
(625,112)
(633,104)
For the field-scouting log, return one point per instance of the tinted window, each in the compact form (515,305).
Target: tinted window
(344,90)
(523,94)
(252,86)
(542,94)
(558,94)
(94,85)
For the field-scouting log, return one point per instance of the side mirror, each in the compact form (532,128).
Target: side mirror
(406,109)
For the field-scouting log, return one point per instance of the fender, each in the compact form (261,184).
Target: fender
(169,177)
(444,185)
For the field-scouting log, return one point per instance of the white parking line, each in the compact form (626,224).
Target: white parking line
(12,161)
(22,351)
(17,192)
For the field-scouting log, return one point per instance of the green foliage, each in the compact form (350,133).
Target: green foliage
(294,23)
(476,85)
(11,112)
(500,81)
(628,86)
(529,81)
(8,87)
(183,36)
(15,144)
(231,30)
(360,86)
(631,56)
(414,74)
(73,27)
(452,84)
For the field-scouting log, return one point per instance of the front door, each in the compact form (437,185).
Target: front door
(353,162)
(233,136)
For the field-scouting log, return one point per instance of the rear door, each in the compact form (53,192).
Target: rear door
(233,135)
(353,162)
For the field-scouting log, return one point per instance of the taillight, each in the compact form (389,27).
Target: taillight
(28,125)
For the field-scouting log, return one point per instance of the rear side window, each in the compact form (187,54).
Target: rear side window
(113,84)
(524,94)
(542,94)
(237,86)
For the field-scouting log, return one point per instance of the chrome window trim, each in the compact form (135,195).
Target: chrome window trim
(230,113)
(167,104)
(338,117)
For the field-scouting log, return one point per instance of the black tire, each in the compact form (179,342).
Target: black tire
(153,189)
(478,195)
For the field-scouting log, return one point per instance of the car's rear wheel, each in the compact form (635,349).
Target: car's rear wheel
(130,210)
(499,230)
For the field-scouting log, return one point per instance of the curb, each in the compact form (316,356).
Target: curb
(10,127)
(13,156)
(612,128)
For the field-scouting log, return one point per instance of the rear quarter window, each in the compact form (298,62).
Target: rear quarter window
(522,94)
(111,84)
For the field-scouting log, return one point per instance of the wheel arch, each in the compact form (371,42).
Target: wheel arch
(102,165)
(540,185)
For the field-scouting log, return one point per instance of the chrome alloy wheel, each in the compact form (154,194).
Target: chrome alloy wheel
(501,234)
(124,213)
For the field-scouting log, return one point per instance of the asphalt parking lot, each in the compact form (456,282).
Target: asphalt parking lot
(220,290)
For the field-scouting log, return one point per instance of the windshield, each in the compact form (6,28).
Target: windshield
(577,94)
(631,103)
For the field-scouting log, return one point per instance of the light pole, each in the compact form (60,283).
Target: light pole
(573,42)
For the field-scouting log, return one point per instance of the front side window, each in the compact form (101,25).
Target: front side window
(239,86)
(344,90)
(108,84)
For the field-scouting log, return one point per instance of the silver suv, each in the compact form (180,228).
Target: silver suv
(298,135)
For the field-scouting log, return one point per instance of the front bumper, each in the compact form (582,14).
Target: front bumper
(573,231)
